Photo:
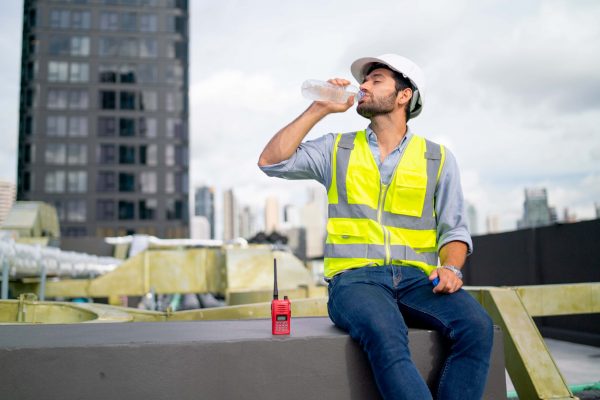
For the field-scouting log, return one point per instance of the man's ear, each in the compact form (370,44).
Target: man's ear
(404,96)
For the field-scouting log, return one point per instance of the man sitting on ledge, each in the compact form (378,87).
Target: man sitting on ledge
(395,210)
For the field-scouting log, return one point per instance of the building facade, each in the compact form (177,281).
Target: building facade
(103,121)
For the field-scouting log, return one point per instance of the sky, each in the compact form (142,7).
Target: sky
(513,90)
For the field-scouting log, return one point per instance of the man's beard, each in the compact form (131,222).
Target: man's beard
(378,106)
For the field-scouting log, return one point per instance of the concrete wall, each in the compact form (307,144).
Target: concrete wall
(561,253)
(203,360)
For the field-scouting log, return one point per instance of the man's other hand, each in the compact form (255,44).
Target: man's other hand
(449,282)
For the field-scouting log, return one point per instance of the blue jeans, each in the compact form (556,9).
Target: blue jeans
(372,303)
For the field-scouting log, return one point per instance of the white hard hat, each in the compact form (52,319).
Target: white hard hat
(400,64)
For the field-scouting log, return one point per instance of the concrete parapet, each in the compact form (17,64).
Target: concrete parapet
(203,359)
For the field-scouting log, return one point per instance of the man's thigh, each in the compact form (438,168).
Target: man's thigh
(360,301)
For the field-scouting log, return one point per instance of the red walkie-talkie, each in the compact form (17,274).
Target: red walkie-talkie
(281,310)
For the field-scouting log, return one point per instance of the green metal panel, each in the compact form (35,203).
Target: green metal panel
(565,299)
(532,369)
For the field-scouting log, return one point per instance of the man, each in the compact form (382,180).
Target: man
(395,208)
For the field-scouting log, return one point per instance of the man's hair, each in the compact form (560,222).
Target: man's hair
(401,83)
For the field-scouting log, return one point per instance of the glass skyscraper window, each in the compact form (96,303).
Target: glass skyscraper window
(107,126)
(69,45)
(55,182)
(107,154)
(147,208)
(127,100)
(106,181)
(80,19)
(109,21)
(126,210)
(77,181)
(147,73)
(78,126)
(128,22)
(76,154)
(127,74)
(76,210)
(105,210)
(126,182)
(58,71)
(108,99)
(148,100)
(169,155)
(60,18)
(127,127)
(148,23)
(148,48)
(147,127)
(56,125)
(79,72)
(56,154)
(148,182)
(62,71)
(78,99)
(126,154)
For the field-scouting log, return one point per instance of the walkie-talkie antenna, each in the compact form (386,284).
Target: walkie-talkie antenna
(275,291)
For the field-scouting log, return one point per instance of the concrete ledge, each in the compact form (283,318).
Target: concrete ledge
(203,359)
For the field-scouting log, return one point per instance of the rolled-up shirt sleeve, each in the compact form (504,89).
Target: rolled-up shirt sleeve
(312,160)
(450,206)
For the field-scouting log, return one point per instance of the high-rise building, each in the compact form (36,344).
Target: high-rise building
(314,220)
(472,218)
(8,192)
(492,223)
(247,223)
(204,205)
(536,211)
(597,206)
(230,216)
(199,227)
(271,214)
(103,119)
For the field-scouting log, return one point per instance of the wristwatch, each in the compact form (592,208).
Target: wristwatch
(453,269)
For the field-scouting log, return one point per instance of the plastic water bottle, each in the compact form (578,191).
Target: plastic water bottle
(324,91)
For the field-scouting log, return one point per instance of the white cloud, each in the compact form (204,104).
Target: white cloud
(513,89)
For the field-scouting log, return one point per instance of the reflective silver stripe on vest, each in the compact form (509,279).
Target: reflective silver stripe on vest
(345,210)
(374,252)
(345,146)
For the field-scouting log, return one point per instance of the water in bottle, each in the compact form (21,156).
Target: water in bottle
(324,91)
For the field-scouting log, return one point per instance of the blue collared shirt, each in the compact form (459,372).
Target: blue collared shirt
(312,160)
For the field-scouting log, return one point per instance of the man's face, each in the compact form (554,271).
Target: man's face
(379,88)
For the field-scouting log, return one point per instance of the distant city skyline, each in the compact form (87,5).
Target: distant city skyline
(503,110)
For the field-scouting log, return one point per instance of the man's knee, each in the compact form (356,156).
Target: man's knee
(479,330)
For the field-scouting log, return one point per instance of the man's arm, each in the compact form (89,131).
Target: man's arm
(454,240)
(285,142)
(455,254)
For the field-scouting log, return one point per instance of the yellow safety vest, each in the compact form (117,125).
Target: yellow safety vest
(371,223)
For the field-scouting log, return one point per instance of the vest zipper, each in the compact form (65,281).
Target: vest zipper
(386,234)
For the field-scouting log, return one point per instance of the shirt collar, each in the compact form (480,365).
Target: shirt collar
(372,137)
